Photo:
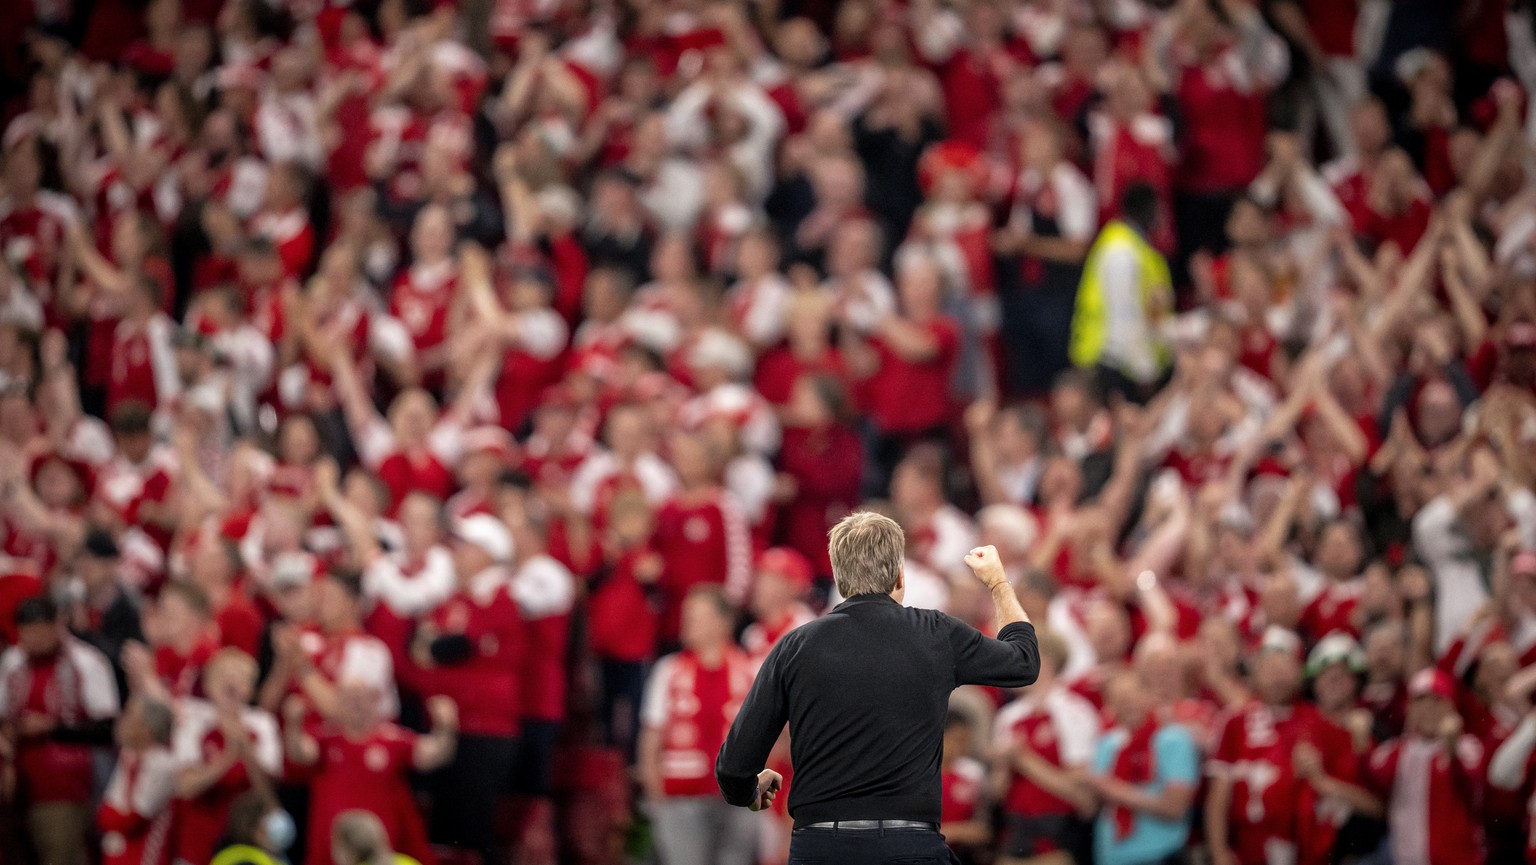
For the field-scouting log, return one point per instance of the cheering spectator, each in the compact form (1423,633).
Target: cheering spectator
(361,762)
(690,701)
(135,813)
(224,749)
(471,652)
(1043,743)
(656,289)
(1143,775)
(1433,769)
(57,701)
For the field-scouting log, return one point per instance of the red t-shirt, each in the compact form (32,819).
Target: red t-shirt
(1255,750)
(961,784)
(701,542)
(487,686)
(913,396)
(779,369)
(368,774)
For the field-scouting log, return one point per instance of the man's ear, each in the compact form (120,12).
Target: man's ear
(901,579)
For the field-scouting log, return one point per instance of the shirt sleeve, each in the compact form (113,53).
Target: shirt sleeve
(155,785)
(754,732)
(653,706)
(268,742)
(542,588)
(411,596)
(374,443)
(1177,761)
(98,687)
(1010,661)
(1079,216)
(1077,725)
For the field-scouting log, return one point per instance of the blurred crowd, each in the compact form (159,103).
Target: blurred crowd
(417,421)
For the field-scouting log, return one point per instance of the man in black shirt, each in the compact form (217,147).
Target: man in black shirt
(865,690)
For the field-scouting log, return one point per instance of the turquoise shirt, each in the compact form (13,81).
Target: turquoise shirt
(1176,760)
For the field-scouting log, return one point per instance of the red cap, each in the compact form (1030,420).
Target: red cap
(1432,681)
(949,156)
(787,563)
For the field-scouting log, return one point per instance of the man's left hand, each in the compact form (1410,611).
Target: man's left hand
(768,784)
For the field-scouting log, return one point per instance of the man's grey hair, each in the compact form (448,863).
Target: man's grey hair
(866,550)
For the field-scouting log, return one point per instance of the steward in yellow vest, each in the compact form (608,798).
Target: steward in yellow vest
(1125,295)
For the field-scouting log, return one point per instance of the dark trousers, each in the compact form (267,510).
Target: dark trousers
(868,847)
(465,794)
(621,686)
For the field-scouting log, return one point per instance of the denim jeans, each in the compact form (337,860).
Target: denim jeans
(868,847)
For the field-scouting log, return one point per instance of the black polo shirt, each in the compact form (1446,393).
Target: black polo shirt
(865,690)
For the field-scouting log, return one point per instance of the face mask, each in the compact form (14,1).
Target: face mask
(279,829)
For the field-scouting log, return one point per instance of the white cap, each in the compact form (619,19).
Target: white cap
(718,348)
(1015,526)
(487,533)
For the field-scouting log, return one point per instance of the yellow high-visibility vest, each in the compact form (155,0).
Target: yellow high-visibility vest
(1089,315)
(244,854)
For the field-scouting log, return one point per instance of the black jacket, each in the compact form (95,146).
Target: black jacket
(865,690)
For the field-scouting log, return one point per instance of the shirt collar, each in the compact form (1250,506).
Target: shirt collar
(872,598)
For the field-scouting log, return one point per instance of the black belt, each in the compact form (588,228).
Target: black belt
(872,825)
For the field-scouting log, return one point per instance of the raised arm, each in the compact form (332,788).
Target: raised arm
(436,748)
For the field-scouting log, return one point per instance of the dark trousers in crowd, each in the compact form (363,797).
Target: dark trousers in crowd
(868,847)
(535,758)
(465,794)
(1200,218)
(621,686)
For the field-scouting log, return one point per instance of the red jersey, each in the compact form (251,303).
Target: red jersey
(1433,797)
(702,540)
(135,813)
(199,739)
(913,396)
(74,687)
(32,235)
(370,774)
(293,236)
(421,299)
(1332,610)
(143,365)
(1061,727)
(1224,125)
(827,465)
(182,674)
(1332,24)
(692,706)
(126,488)
(1270,808)
(625,624)
(487,685)
(779,369)
(240,623)
(961,784)
(545,592)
